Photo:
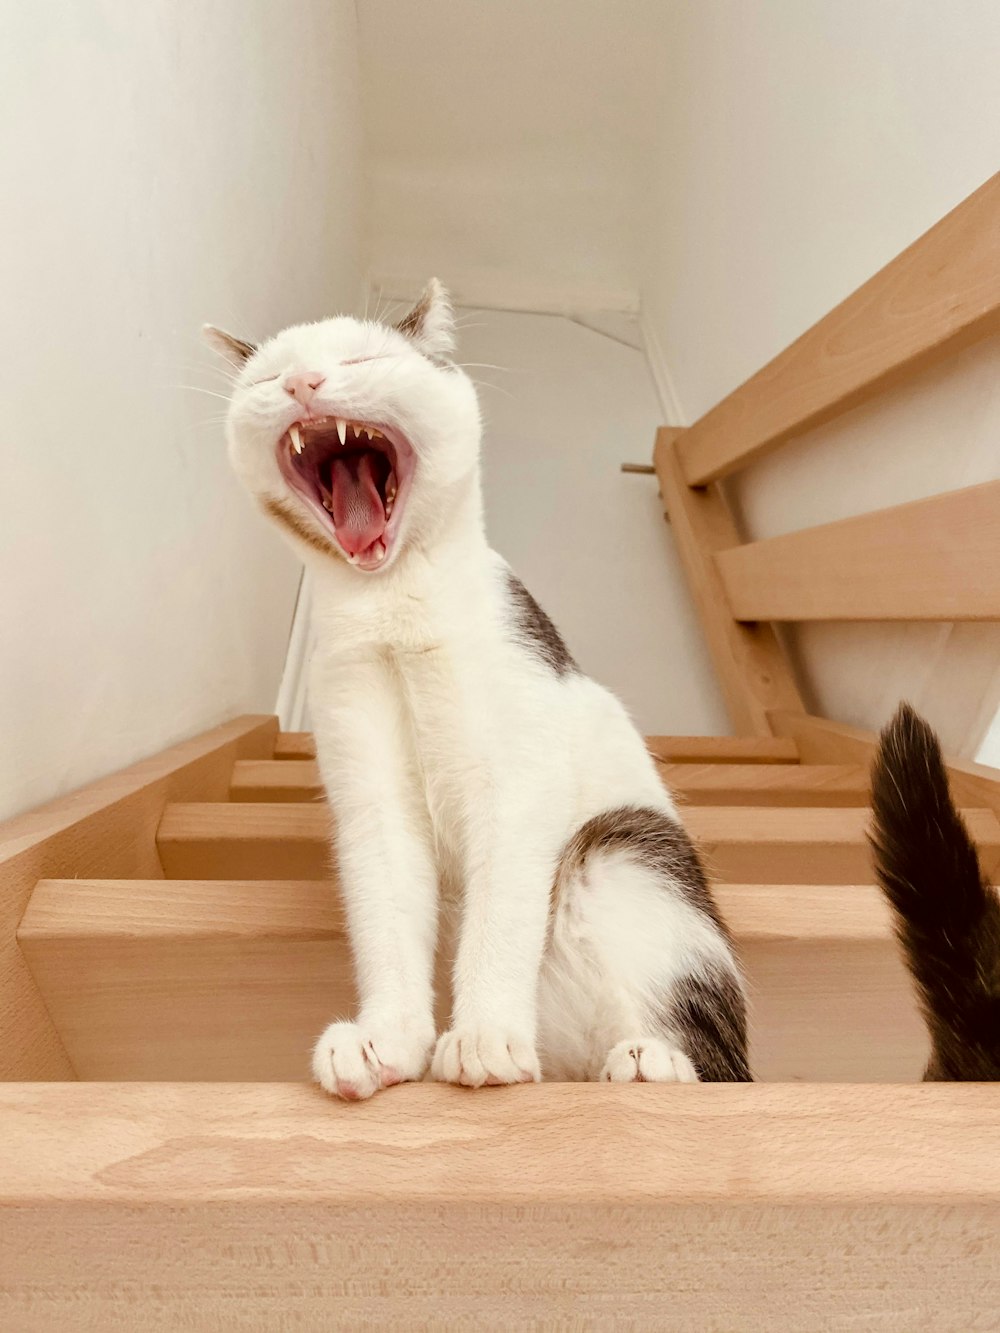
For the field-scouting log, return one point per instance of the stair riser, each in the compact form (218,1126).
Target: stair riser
(237,1009)
(817,785)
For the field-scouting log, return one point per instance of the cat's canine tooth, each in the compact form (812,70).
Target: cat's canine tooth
(296,435)
(341,430)
(380,555)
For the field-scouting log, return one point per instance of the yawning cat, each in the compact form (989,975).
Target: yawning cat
(469,763)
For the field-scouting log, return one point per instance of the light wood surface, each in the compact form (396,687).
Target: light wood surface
(937,296)
(753,844)
(173,979)
(276,780)
(723,749)
(295,745)
(759,1208)
(823,741)
(751,667)
(768,784)
(804,846)
(934,559)
(106,828)
(694,784)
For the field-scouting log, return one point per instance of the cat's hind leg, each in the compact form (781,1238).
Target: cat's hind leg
(639,982)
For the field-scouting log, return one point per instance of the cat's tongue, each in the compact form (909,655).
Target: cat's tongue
(358,513)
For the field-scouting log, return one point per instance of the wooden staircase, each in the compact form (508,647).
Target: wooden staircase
(156,977)
(174,948)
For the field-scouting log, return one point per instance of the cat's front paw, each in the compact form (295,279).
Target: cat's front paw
(474,1056)
(352,1061)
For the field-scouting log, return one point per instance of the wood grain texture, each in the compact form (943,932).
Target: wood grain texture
(753,672)
(941,294)
(106,828)
(288,778)
(768,784)
(823,741)
(276,780)
(168,979)
(295,745)
(934,559)
(741,844)
(757,1208)
(723,749)
(696,784)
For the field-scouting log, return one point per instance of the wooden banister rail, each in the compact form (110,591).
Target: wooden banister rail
(934,559)
(941,294)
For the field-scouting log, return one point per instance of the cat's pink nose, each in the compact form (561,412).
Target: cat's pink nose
(302,385)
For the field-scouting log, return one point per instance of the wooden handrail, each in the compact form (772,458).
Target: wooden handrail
(933,559)
(939,295)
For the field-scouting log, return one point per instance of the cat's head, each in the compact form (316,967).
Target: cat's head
(355,436)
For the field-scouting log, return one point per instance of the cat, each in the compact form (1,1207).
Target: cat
(947,916)
(483,787)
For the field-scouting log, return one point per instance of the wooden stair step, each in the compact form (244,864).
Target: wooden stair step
(751,844)
(723,749)
(292,745)
(295,745)
(740,1206)
(694,784)
(825,785)
(221,979)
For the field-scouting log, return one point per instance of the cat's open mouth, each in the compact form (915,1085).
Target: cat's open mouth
(353,475)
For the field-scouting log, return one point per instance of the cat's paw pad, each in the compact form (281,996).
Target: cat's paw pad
(353,1062)
(476,1056)
(648,1060)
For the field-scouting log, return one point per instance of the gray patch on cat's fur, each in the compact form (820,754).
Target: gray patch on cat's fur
(536,631)
(654,840)
(705,1013)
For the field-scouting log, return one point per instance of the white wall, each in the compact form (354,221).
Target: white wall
(799,147)
(162,166)
(505,148)
(568,407)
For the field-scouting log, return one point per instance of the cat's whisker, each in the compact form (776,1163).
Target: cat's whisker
(211,393)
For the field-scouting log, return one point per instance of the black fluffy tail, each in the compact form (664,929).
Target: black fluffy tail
(947,916)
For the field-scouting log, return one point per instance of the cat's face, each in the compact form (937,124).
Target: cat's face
(353,435)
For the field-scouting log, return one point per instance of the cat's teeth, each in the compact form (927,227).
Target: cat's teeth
(296,435)
(368,431)
(341,430)
(380,555)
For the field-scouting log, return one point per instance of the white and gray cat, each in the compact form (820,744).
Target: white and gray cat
(476,775)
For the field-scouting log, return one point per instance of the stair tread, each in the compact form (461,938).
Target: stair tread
(762,844)
(822,1144)
(292,745)
(310,909)
(694,783)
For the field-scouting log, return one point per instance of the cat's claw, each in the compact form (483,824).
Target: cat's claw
(479,1056)
(354,1062)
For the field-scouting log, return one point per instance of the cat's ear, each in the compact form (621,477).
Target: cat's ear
(430,325)
(231,349)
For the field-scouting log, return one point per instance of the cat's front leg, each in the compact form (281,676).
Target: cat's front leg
(388,881)
(493,1035)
